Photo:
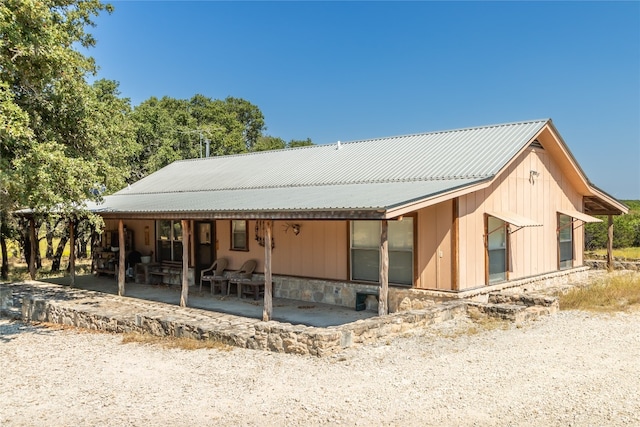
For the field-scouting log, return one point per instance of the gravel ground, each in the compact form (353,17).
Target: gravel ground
(573,368)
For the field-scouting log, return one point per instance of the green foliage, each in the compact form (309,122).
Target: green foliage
(61,137)
(171,129)
(267,142)
(626,229)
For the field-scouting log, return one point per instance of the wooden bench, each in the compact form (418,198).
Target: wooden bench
(165,270)
(361,298)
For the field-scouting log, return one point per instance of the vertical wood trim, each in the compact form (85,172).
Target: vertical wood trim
(122,245)
(486,249)
(455,246)
(610,243)
(349,225)
(32,257)
(268,299)
(184,295)
(557,241)
(383,306)
(72,252)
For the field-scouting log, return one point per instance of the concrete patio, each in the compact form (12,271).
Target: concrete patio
(284,310)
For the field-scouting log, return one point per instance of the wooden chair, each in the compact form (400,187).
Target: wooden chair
(214,274)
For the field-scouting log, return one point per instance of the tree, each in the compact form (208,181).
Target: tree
(61,137)
(170,129)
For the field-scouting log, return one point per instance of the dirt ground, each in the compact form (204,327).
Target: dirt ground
(573,368)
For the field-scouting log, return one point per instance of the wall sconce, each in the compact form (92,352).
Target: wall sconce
(294,227)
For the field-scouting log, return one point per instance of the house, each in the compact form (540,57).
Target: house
(433,215)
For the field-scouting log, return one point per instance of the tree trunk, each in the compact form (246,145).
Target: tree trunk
(4,271)
(82,248)
(268,299)
(72,252)
(184,296)
(32,247)
(50,229)
(57,256)
(383,306)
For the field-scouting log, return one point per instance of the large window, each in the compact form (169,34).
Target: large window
(239,236)
(169,240)
(497,249)
(565,241)
(365,251)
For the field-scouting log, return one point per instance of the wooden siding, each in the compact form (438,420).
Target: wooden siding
(434,248)
(319,250)
(533,250)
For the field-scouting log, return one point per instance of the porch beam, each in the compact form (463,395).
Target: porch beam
(253,215)
(610,244)
(383,305)
(121,269)
(268,299)
(184,296)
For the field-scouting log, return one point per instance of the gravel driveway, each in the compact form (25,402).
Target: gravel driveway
(573,368)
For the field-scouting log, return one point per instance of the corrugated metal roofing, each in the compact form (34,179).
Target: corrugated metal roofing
(369,174)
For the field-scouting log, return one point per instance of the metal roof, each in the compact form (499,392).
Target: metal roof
(370,175)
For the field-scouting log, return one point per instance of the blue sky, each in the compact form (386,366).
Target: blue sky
(345,71)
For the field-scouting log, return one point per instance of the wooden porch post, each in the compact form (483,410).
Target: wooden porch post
(72,252)
(383,306)
(121,269)
(33,241)
(184,296)
(268,300)
(610,244)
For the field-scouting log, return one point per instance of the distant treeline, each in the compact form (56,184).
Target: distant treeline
(626,229)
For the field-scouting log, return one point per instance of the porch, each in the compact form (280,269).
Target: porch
(292,311)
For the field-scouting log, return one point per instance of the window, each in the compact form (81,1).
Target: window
(565,241)
(365,251)
(169,240)
(239,236)
(497,249)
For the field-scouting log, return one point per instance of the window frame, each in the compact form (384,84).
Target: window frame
(507,250)
(232,233)
(567,263)
(175,254)
(376,248)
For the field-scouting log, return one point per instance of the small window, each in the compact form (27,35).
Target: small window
(565,241)
(497,249)
(239,236)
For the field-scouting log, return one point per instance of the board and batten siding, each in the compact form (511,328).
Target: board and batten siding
(433,247)
(320,250)
(532,250)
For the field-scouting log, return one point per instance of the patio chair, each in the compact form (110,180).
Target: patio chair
(246,271)
(214,274)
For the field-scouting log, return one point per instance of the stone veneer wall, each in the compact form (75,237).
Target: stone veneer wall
(599,262)
(269,336)
(404,298)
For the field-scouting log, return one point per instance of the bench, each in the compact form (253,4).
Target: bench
(361,298)
(166,270)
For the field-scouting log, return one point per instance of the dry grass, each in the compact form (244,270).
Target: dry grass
(620,253)
(19,271)
(614,292)
(182,343)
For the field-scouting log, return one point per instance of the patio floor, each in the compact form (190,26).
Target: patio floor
(284,310)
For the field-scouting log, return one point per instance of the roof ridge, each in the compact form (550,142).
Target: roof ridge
(522,122)
(125,191)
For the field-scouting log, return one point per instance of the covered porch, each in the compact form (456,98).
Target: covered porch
(287,310)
